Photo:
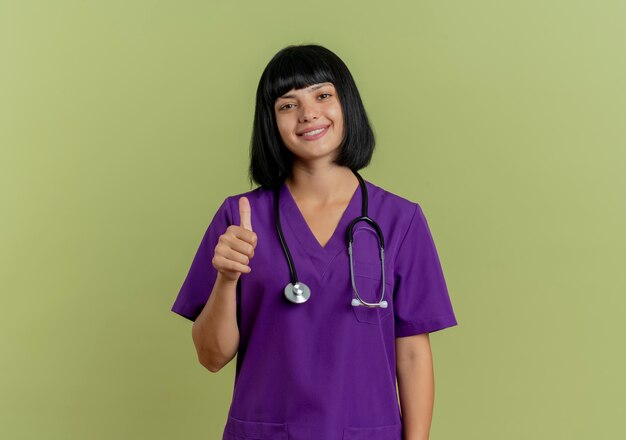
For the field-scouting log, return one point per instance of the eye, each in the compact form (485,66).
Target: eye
(325,94)
(284,107)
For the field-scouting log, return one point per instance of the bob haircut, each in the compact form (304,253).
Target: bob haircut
(296,67)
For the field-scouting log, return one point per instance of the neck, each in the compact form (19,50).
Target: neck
(322,185)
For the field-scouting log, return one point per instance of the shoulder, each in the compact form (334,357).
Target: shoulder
(389,202)
(255,195)
(398,214)
(258,197)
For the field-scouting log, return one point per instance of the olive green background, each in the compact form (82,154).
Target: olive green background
(124,124)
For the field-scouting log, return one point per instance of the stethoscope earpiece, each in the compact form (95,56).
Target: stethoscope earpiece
(356,303)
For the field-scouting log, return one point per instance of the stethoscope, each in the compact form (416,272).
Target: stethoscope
(297,292)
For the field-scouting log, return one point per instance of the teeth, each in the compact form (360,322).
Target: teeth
(313,133)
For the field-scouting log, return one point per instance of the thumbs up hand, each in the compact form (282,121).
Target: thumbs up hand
(236,246)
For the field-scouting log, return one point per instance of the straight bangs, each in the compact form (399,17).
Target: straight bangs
(294,70)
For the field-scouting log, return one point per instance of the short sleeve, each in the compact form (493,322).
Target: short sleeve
(201,277)
(421,300)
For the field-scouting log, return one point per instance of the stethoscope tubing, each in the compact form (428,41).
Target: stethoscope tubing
(298,292)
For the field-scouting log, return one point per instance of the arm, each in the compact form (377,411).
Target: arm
(414,370)
(215,332)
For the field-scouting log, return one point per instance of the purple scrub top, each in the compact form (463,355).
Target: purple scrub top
(323,369)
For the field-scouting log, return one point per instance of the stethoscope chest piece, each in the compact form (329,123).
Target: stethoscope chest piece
(297,293)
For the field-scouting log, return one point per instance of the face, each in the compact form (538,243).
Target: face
(310,121)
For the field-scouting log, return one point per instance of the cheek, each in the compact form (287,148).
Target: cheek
(337,116)
(282,129)
(284,125)
(285,131)
(338,121)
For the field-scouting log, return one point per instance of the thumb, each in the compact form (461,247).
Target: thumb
(245,213)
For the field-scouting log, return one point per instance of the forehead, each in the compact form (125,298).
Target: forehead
(293,92)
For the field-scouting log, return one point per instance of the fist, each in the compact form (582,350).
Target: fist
(236,246)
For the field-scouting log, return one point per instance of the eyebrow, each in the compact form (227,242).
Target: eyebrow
(310,89)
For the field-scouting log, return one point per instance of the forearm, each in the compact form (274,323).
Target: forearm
(215,331)
(416,387)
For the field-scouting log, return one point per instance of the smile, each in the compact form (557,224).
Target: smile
(314,134)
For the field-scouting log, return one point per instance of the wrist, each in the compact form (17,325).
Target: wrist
(223,281)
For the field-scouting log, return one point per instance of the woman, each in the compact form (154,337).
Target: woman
(319,330)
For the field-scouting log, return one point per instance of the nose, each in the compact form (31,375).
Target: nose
(308,112)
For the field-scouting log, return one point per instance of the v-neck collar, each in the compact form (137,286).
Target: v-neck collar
(303,232)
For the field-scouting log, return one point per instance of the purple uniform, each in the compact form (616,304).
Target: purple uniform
(323,369)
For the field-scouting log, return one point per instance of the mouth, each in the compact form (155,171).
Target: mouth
(314,132)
